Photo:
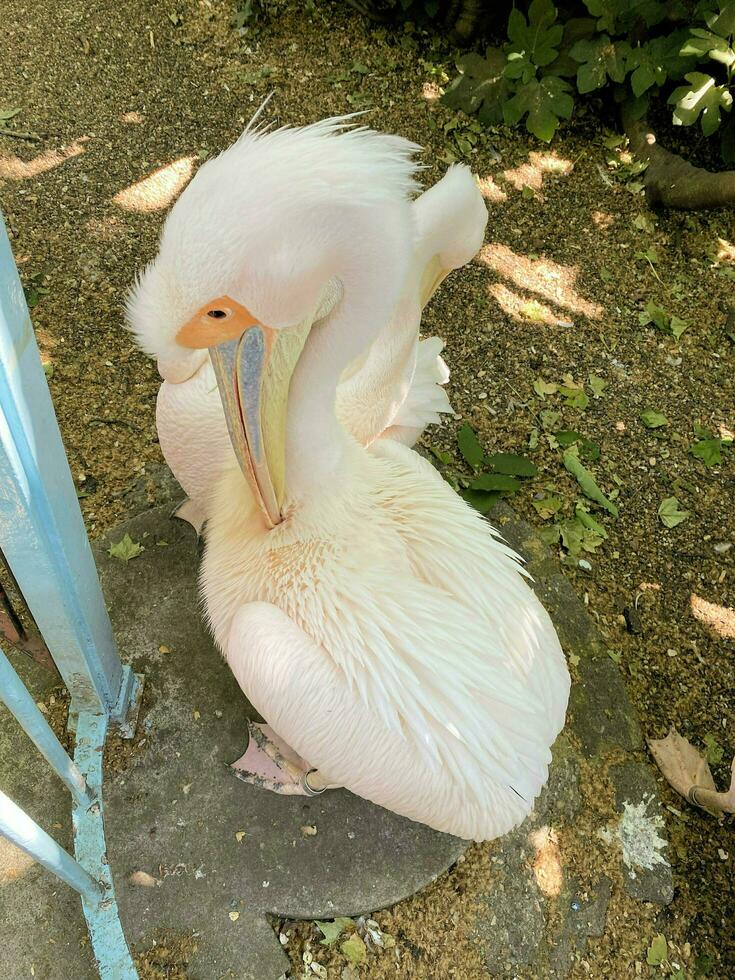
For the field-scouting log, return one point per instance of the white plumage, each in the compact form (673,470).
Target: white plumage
(394,390)
(382,628)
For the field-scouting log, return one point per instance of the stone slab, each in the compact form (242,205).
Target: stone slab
(177,811)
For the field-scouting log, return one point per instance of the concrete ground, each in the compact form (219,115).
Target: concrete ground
(222,855)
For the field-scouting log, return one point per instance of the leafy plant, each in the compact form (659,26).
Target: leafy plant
(492,476)
(626,45)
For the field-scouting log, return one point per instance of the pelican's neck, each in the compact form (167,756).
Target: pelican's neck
(315,441)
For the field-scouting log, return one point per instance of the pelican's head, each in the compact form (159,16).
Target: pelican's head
(251,253)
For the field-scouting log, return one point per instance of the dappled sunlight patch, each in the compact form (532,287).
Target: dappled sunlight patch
(725,251)
(134,118)
(13,168)
(14,863)
(490,190)
(159,189)
(539,165)
(602,220)
(45,340)
(549,280)
(524,309)
(721,619)
(547,866)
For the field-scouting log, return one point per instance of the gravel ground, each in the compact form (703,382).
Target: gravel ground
(118,91)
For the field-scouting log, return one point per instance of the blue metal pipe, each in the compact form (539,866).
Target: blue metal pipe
(114,961)
(41,528)
(14,694)
(25,833)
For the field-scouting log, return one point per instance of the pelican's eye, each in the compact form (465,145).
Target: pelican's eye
(218,314)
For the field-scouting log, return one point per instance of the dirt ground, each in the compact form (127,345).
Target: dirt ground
(117,91)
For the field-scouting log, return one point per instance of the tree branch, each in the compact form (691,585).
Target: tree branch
(669,180)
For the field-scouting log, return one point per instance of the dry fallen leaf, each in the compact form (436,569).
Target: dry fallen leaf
(688,772)
(143,878)
(308,830)
(234,916)
(239,834)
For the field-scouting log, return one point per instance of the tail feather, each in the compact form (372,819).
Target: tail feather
(426,401)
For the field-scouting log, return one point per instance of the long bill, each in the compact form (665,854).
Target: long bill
(253,365)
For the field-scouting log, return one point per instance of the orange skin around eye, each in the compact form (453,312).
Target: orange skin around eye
(202,330)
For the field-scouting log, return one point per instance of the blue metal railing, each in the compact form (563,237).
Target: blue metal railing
(44,543)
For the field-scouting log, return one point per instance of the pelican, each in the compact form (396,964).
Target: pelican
(380,626)
(394,390)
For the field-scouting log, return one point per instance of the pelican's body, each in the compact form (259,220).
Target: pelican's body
(372,629)
(377,623)
(394,390)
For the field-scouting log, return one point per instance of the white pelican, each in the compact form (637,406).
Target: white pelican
(394,390)
(376,622)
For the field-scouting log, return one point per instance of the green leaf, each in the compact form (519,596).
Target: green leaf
(537,38)
(481,86)
(654,61)
(333,930)
(496,481)
(471,450)
(653,314)
(567,437)
(708,450)
(597,385)
(704,44)
(511,464)
(575,29)
(442,455)
(588,450)
(653,419)
(550,535)
(483,501)
(713,750)
(125,549)
(657,951)
(548,506)
(549,418)
(576,537)
(600,59)
(574,396)
(650,255)
(702,97)
(544,388)
(587,482)
(589,522)
(544,102)
(661,319)
(669,513)
(724,23)
(354,949)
